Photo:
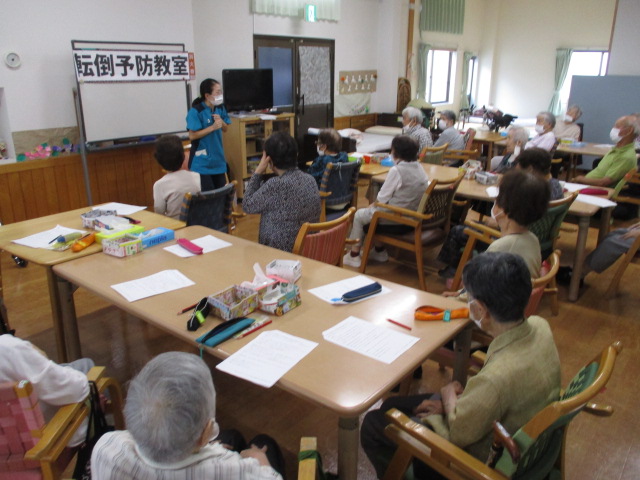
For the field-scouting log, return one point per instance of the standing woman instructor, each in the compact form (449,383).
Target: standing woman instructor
(206,121)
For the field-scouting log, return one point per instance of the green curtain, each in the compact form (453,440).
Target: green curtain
(563,58)
(442,16)
(325,9)
(464,99)
(423,51)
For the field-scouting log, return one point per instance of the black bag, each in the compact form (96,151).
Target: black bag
(96,427)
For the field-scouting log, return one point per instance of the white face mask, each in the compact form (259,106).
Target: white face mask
(218,100)
(539,128)
(473,318)
(442,125)
(320,151)
(614,134)
(495,215)
(568,118)
(516,152)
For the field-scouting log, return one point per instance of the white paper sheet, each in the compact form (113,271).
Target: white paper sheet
(573,187)
(594,200)
(492,191)
(161,282)
(374,341)
(121,208)
(42,239)
(208,243)
(266,359)
(335,290)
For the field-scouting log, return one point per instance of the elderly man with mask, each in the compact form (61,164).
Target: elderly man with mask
(449,133)
(566,126)
(520,377)
(170,416)
(516,140)
(545,123)
(620,159)
(412,125)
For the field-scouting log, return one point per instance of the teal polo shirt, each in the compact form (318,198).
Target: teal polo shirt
(209,158)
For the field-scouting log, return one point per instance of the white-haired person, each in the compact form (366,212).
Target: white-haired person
(171,428)
(566,126)
(449,133)
(412,119)
(517,138)
(545,123)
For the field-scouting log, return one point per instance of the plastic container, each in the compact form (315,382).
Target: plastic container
(233,302)
(110,234)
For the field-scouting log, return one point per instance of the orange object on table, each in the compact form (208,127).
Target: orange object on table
(429,313)
(83,242)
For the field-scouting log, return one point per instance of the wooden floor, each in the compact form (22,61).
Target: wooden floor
(598,448)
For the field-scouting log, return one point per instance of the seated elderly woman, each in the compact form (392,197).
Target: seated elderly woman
(523,199)
(328,146)
(412,119)
(170,416)
(520,377)
(285,201)
(545,123)
(517,137)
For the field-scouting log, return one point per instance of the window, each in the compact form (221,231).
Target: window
(593,63)
(441,70)
(472,79)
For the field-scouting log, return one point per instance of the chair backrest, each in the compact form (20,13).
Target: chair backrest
(468,138)
(433,155)
(631,177)
(548,227)
(540,441)
(210,209)
(453,155)
(20,419)
(547,273)
(438,202)
(341,180)
(324,241)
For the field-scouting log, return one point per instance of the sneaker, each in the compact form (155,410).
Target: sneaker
(351,261)
(447,272)
(382,256)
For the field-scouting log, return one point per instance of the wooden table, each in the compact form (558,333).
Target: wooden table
(595,149)
(330,376)
(49,258)
(583,211)
(485,137)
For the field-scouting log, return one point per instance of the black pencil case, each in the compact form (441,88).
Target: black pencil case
(362,292)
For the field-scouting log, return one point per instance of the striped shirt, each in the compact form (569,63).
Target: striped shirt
(116,457)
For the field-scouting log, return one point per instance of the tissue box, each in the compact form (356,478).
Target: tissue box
(122,246)
(155,236)
(88,219)
(487,178)
(235,301)
(289,270)
(279,297)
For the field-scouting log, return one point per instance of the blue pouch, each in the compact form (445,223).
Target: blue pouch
(362,292)
(224,331)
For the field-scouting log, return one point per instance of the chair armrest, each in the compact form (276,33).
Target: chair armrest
(404,211)
(434,450)
(325,194)
(598,409)
(238,214)
(460,203)
(483,228)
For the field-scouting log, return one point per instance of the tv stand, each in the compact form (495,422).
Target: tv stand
(243,142)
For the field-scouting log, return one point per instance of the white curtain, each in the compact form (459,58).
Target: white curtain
(563,58)
(325,9)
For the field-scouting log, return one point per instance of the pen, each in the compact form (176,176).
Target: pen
(185,310)
(399,324)
(253,328)
(131,220)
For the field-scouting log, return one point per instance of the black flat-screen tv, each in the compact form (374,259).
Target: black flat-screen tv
(247,89)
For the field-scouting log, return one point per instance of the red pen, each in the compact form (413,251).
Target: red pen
(399,324)
(254,328)
(185,310)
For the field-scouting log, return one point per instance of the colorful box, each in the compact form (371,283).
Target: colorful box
(155,236)
(234,302)
(279,297)
(122,246)
(111,234)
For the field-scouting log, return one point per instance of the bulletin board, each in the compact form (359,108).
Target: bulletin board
(114,111)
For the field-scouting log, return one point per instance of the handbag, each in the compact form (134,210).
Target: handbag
(96,427)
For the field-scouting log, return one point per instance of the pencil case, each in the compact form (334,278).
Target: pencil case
(594,191)
(224,331)
(362,292)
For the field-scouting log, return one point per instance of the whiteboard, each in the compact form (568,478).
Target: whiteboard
(113,111)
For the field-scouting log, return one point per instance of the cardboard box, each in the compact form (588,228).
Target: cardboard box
(233,302)
(289,270)
(122,246)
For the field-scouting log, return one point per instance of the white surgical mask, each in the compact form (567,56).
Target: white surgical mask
(539,128)
(473,318)
(568,118)
(217,100)
(614,134)
(495,215)
(516,152)
(442,125)
(320,151)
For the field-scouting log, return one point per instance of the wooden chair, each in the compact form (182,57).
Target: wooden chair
(325,241)
(430,223)
(213,209)
(627,258)
(33,449)
(469,135)
(433,155)
(308,463)
(339,189)
(458,157)
(535,451)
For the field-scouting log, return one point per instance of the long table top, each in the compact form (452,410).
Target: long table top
(70,219)
(588,148)
(331,376)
